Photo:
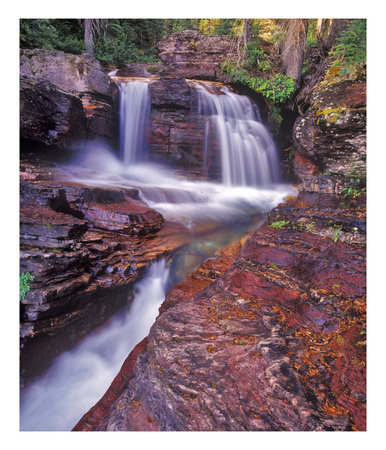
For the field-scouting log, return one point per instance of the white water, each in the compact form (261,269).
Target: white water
(134,111)
(79,377)
(187,201)
(248,153)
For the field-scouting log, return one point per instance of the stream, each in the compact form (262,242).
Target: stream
(214,215)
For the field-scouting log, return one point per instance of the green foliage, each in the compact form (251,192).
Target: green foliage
(52,34)
(310,226)
(129,41)
(355,188)
(178,25)
(122,41)
(24,284)
(279,224)
(256,73)
(277,88)
(335,233)
(37,33)
(351,45)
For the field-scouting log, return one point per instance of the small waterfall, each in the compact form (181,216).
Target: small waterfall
(134,114)
(248,153)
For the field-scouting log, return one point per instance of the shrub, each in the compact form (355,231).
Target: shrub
(279,224)
(24,284)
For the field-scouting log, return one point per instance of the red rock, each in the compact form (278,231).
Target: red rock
(265,341)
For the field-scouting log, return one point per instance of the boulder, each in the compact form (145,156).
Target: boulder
(65,98)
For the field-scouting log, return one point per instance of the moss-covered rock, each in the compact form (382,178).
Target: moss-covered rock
(332,133)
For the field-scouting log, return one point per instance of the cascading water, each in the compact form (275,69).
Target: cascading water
(248,153)
(80,377)
(224,212)
(134,113)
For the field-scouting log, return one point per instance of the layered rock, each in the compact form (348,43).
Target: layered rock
(269,337)
(332,133)
(86,247)
(176,130)
(190,54)
(65,98)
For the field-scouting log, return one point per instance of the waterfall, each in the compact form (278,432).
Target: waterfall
(212,215)
(248,153)
(134,113)
(231,128)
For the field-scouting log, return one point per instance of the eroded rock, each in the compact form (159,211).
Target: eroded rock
(86,247)
(332,133)
(269,337)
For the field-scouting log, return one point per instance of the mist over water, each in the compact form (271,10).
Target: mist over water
(221,211)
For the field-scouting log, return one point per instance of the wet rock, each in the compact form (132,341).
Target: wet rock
(267,337)
(86,247)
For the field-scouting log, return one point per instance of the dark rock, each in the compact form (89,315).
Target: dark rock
(86,247)
(65,98)
(176,129)
(50,115)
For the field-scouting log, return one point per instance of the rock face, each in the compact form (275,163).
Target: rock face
(332,133)
(269,337)
(86,247)
(271,334)
(190,54)
(65,98)
(176,129)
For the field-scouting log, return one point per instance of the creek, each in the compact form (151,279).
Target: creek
(214,214)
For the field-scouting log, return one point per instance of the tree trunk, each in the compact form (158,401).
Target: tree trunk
(88,36)
(248,29)
(293,48)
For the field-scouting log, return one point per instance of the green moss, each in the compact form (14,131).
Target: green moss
(331,115)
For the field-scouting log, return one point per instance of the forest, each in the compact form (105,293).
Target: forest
(271,55)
